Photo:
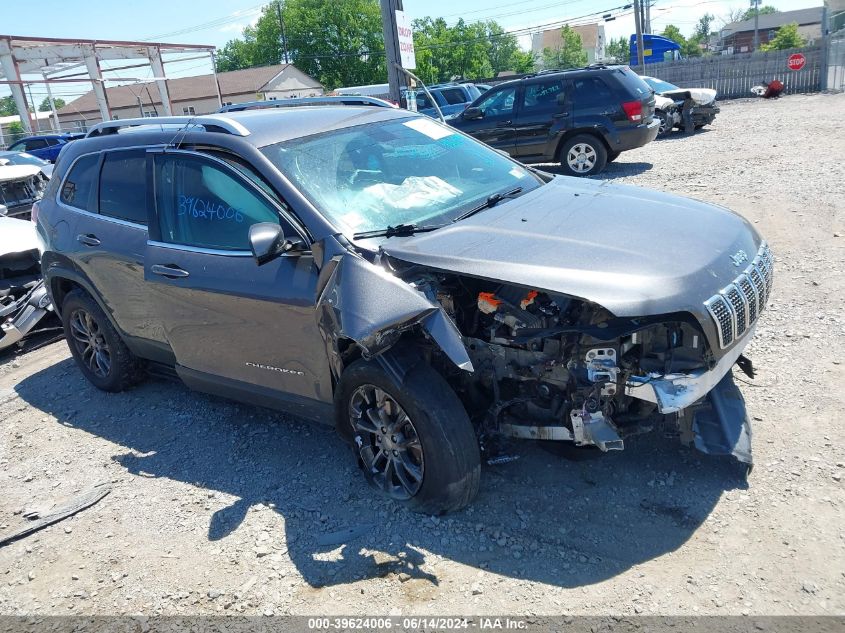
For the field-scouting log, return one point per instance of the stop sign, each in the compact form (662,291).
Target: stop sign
(796,61)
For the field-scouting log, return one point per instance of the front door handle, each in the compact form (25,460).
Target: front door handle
(171,272)
(503,124)
(88,239)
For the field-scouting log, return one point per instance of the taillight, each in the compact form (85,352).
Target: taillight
(34,213)
(634,110)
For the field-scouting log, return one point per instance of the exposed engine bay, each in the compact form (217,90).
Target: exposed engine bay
(23,297)
(551,367)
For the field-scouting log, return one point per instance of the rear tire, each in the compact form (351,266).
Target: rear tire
(96,346)
(415,444)
(583,155)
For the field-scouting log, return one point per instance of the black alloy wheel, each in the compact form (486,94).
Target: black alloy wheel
(388,444)
(90,342)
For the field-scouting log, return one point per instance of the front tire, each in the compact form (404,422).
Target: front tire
(583,155)
(666,124)
(415,444)
(96,346)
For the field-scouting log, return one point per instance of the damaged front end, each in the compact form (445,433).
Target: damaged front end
(532,364)
(550,367)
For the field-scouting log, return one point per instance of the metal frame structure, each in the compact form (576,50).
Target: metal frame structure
(51,59)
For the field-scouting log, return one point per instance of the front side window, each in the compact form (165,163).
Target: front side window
(123,186)
(79,186)
(398,171)
(499,103)
(35,143)
(203,205)
(541,96)
(423,102)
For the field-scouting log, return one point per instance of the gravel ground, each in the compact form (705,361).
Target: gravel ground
(223,508)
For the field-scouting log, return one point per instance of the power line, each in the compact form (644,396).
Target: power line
(221,21)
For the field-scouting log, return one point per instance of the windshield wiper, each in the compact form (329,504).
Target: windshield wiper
(400,230)
(491,201)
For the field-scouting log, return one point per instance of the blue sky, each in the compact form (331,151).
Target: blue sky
(215,22)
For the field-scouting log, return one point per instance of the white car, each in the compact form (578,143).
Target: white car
(23,298)
(700,103)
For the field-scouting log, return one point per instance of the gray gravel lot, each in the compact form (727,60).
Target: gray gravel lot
(222,508)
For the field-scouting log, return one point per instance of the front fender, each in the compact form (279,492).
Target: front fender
(364,303)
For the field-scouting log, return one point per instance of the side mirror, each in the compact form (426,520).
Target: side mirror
(267,241)
(473,113)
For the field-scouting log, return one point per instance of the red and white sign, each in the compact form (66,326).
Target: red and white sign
(408,58)
(796,61)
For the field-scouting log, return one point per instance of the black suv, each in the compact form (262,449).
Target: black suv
(378,270)
(581,118)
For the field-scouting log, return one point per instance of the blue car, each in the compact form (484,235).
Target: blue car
(44,146)
(451,98)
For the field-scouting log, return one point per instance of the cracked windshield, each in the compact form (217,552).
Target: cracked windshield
(396,172)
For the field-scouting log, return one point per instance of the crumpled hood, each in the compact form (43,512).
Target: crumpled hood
(701,96)
(17,236)
(9,173)
(637,252)
(662,103)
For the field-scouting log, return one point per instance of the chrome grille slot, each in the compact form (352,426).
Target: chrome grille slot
(760,286)
(736,308)
(721,313)
(737,304)
(747,288)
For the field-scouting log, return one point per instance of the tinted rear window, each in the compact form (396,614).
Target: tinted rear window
(632,83)
(123,186)
(453,96)
(79,184)
(591,91)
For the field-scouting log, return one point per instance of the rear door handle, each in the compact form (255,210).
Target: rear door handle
(171,272)
(504,124)
(88,239)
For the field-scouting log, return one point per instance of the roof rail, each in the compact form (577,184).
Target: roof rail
(211,123)
(350,100)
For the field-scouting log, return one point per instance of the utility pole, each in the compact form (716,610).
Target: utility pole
(284,37)
(391,46)
(639,25)
(755,4)
(34,108)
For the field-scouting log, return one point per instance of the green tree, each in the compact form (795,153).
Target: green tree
(569,54)
(618,50)
(787,37)
(337,43)
(673,33)
(689,48)
(702,27)
(16,131)
(8,107)
(45,105)
(766,10)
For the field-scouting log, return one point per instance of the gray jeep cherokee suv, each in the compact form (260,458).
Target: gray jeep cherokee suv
(382,272)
